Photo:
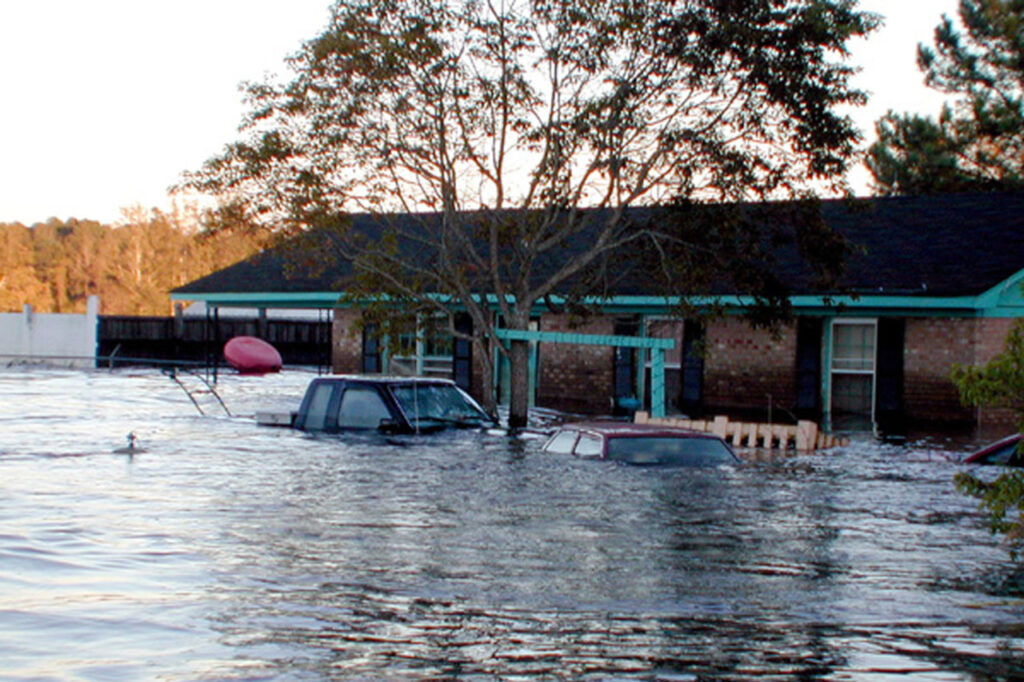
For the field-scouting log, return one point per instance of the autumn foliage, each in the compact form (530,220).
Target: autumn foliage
(132,266)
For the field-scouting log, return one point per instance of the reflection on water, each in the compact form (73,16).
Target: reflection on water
(229,551)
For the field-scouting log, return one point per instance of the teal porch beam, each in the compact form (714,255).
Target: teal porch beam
(1001,301)
(585,339)
(655,345)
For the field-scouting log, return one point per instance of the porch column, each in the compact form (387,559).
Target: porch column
(657,382)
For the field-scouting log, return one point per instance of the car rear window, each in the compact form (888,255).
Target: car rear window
(561,443)
(589,445)
(669,450)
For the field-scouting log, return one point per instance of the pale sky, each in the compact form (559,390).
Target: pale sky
(106,102)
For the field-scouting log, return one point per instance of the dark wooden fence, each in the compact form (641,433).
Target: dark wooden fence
(125,340)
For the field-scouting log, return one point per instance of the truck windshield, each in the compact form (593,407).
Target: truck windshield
(437,402)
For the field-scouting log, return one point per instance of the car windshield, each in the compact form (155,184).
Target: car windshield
(1007,455)
(437,402)
(670,450)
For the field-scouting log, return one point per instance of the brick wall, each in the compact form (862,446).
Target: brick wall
(346,343)
(991,337)
(576,378)
(991,340)
(931,347)
(743,366)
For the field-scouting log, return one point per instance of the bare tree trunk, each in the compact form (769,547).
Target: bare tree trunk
(484,352)
(519,378)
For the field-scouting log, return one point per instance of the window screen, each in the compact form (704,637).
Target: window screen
(854,347)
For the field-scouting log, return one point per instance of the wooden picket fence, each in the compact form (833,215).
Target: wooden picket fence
(805,436)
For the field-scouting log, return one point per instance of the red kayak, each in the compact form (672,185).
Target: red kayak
(250,355)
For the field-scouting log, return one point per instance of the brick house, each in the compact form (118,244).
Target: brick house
(936,281)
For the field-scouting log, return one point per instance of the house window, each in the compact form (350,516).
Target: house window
(437,349)
(853,367)
(425,352)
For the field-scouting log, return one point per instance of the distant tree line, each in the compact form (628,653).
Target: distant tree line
(56,265)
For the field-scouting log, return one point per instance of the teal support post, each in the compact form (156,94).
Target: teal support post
(826,376)
(657,347)
(657,382)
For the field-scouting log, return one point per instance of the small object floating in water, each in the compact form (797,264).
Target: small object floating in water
(250,355)
(132,448)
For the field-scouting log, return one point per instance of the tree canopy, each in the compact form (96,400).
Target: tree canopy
(57,265)
(977,141)
(507,117)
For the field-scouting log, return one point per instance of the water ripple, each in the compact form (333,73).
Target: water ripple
(226,551)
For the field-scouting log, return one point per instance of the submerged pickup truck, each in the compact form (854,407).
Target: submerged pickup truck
(385,404)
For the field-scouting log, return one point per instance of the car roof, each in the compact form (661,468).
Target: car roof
(619,429)
(984,452)
(386,379)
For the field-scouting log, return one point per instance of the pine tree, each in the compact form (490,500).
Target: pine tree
(977,142)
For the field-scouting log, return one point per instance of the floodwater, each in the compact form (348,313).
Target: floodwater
(227,551)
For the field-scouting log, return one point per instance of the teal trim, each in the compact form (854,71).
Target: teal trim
(532,373)
(502,368)
(585,339)
(1003,300)
(658,382)
(648,303)
(299,299)
(826,374)
(656,345)
(1006,299)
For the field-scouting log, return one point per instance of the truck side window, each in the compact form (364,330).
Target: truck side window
(316,414)
(362,408)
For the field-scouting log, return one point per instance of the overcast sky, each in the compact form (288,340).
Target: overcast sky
(105,102)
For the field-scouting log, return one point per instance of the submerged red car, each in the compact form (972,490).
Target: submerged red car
(1005,452)
(640,444)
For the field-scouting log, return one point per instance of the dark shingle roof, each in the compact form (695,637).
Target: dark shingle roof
(944,245)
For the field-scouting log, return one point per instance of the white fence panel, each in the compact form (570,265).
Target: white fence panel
(51,338)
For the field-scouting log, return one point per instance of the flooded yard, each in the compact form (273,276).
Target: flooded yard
(227,551)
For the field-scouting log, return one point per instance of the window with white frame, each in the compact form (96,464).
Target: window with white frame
(427,351)
(852,370)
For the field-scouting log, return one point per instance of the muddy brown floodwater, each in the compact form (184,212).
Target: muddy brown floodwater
(225,551)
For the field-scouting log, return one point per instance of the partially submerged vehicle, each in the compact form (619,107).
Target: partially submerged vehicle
(644,444)
(1005,452)
(389,405)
